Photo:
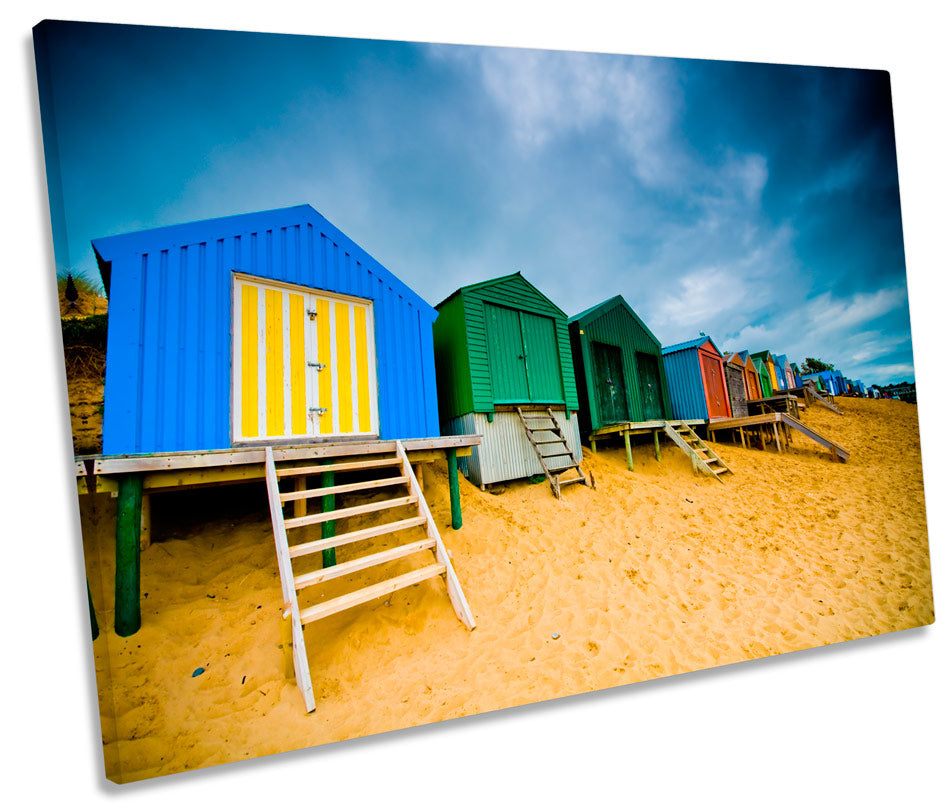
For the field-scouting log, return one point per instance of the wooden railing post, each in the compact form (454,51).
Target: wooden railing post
(328,503)
(128,531)
(454,497)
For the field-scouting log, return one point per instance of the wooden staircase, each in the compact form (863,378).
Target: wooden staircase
(704,459)
(292,583)
(551,446)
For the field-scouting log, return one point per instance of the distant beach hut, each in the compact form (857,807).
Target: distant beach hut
(768,361)
(824,381)
(694,372)
(502,344)
(259,327)
(618,364)
(765,380)
(839,383)
(796,375)
(753,386)
(734,370)
(783,372)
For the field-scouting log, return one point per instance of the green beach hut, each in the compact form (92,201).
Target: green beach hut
(618,363)
(764,378)
(499,345)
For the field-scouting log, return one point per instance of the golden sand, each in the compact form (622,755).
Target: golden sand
(656,572)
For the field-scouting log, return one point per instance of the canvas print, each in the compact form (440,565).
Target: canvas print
(410,381)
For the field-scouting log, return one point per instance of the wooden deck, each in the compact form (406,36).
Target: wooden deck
(185,469)
(133,477)
(625,430)
(782,423)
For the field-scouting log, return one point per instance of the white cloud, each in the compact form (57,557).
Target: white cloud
(546,94)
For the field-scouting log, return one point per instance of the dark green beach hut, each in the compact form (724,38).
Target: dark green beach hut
(499,344)
(618,363)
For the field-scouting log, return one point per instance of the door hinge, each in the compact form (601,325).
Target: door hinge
(316,365)
(318,409)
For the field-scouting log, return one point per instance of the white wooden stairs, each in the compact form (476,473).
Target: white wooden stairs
(704,459)
(550,444)
(292,583)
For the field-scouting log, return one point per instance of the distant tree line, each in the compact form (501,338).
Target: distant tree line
(815,365)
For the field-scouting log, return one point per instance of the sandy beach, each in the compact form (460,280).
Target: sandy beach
(656,572)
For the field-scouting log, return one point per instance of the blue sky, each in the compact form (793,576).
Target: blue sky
(756,203)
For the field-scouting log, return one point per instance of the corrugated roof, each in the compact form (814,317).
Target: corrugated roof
(108,249)
(686,345)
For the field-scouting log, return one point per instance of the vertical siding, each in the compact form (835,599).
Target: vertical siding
(618,328)
(505,452)
(685,381)
(735,385)
(168,369)
(513,292)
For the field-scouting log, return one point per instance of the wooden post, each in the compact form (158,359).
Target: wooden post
(300,505)
(145,539)
(742,437)
(656,444)
(128,529)
(454,498)
(419,477)
(593,445)
(778,442)
(626,445)
(328,503)
(92,613)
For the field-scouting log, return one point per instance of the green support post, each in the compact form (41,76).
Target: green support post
(92,613)
(454,497)
(656,444)
(626,445)
(328,503)
(128,531)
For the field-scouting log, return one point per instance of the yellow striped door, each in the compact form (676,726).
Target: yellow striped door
(304,363)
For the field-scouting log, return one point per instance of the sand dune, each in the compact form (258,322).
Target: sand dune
(654,573)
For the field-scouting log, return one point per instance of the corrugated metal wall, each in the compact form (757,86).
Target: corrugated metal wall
(685,381)
(505,451)
(168,370)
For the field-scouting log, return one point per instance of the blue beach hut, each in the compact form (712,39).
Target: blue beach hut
(271,326)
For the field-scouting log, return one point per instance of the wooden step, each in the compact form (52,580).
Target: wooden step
(572,481)
(361,465)
(331,607)
(362,563)
(310,547)
(319,518)
(353,486)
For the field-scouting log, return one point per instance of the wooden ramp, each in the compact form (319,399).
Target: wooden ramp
(779,420)
(837,452)
(823,401)
(292,583)
(704,459)
(551,446)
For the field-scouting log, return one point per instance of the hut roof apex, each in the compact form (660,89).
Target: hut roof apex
(586,316)
(686,345)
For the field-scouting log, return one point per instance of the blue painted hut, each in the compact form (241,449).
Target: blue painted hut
(796,375)
(271,326)
(697,382)
(782,372)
